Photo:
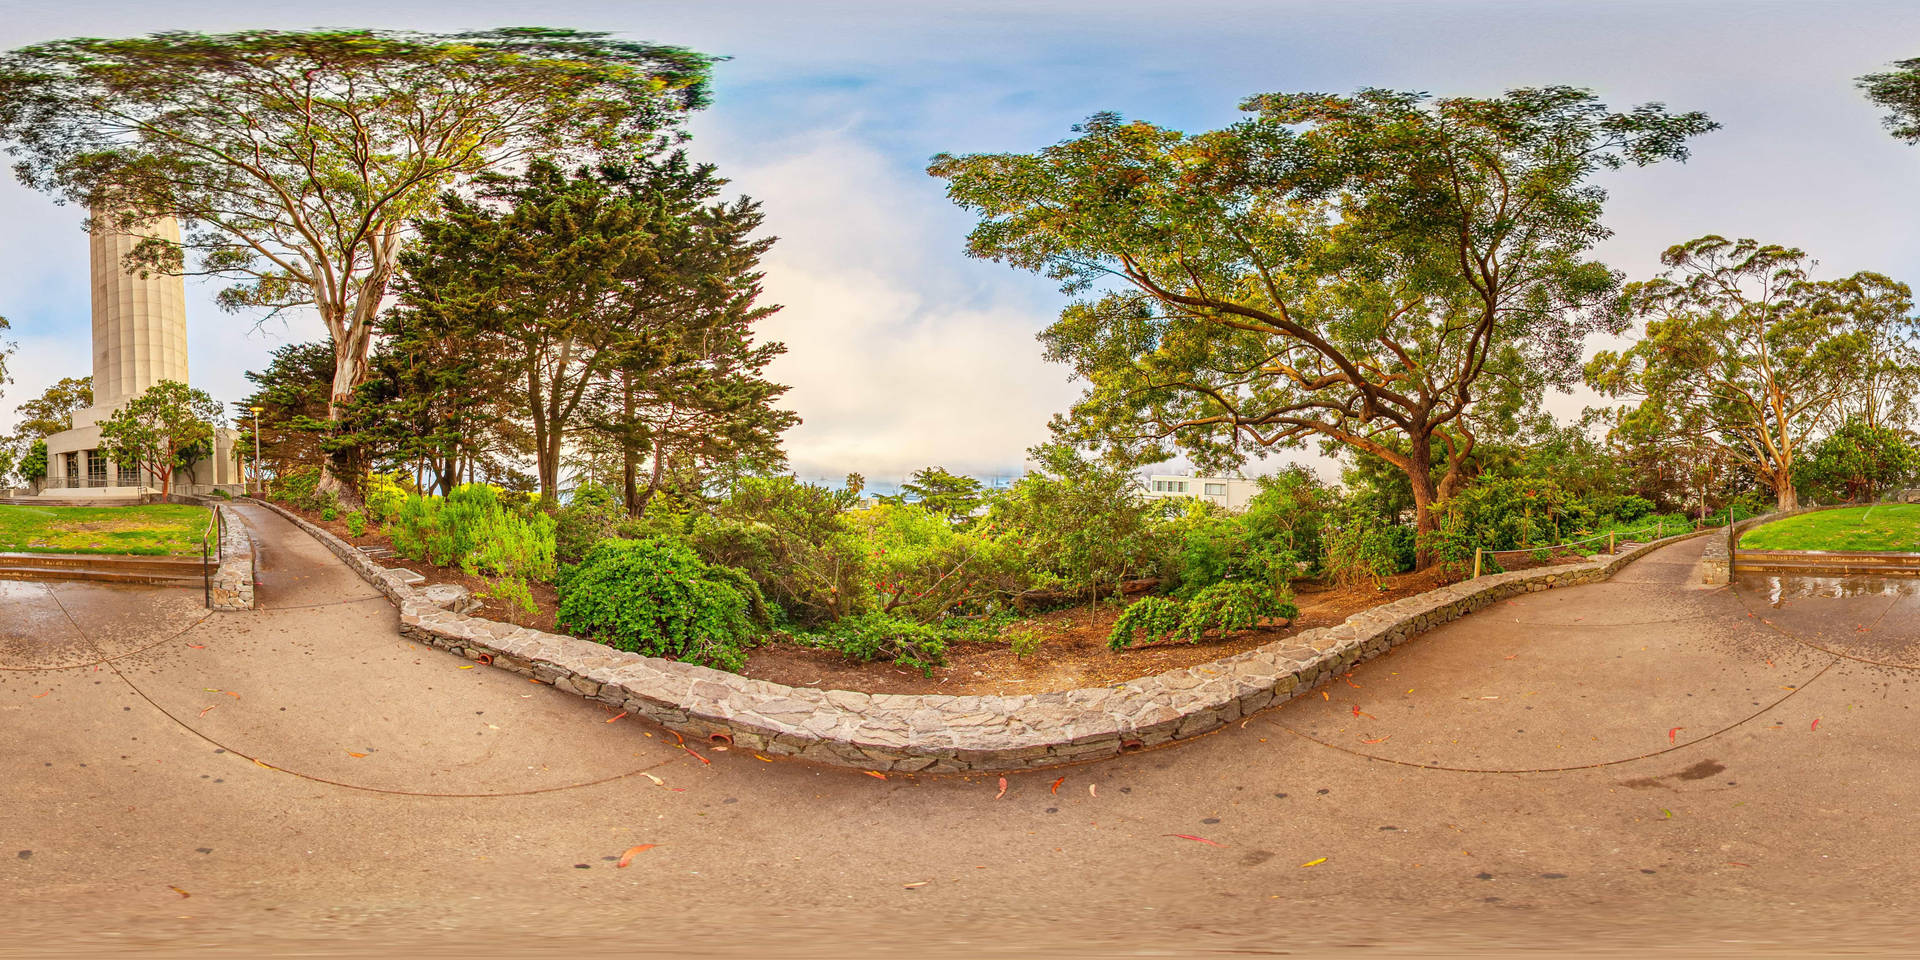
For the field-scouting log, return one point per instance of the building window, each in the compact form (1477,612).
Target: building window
(96,469)
(71,476)
(1216,489)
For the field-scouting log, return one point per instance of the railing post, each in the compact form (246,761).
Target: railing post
(1476,563)
(1610,548)
(1659,529)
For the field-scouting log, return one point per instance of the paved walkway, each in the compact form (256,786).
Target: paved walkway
(1636,762)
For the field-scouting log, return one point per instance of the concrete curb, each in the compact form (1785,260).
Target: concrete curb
(1716,568)
(953,734)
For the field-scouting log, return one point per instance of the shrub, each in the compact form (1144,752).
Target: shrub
(1361,549)
(1080,525)
(918,566)
(383,497)
(1025,643)
(792,538)
(872,635)
(589,517)
(657,597)
(328,512)
(516,594)
(1224,608)
(470,528)
(356,524)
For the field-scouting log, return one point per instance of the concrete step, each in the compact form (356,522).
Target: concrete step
(100,568)
(72,501)
(1817,563)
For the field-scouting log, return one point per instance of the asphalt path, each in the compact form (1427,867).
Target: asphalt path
(1639,766)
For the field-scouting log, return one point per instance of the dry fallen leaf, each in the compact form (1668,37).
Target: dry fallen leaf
(1381,740)
(1189,836)
(208,710)
(627,857)
(468,667)
(1671,733)
(656,780)
(875,774)
(763,759)
(1056,785)
(1093,790)
(350,753)
(1003,789)
(179,891)
(615,717)
(918,883)
(1315,863)
(1816,724)
(39,695)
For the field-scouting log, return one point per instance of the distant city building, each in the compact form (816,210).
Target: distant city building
(1233,493)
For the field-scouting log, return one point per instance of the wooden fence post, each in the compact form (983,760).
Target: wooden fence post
(1476,563)
(1610,550)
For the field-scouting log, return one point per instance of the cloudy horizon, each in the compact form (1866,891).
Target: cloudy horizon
(902,352)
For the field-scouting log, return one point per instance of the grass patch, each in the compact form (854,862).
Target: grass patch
(1892,527)
(153,530)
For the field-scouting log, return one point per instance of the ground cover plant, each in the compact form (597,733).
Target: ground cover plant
(1882,526)
(152,530)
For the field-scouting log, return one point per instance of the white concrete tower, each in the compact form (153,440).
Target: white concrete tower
(139,323)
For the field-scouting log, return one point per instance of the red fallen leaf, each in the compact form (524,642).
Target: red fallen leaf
(208,710)
(1056,785)
(678,738)
(627,857)
(1673,732)
(230,693)
(197,646)
(877,775)
(1816,724)
(615,717)
(39,695)
(350,753)
(1381,740)
(696,755)
(1189,836)
(1003,789)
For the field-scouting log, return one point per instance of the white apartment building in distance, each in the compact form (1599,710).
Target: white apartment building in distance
(1232,493)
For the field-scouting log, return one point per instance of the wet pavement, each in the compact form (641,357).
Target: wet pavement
(1644,765)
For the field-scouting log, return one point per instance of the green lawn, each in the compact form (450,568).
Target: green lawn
(160,528)
(1883,526)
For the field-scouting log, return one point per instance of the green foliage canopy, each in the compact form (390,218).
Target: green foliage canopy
(1352,268)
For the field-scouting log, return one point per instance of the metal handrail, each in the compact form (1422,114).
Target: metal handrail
(216,530)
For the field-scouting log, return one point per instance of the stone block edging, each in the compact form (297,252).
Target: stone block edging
(954,734)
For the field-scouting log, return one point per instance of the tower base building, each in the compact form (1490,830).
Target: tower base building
(139,339)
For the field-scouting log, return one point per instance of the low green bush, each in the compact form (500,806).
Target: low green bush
(1224,608)
(356,524)
(471,528)
(516,594)
(592,515)
(329,512)
(657,597)
(872,635)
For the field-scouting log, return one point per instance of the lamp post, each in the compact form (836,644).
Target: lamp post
(259,489)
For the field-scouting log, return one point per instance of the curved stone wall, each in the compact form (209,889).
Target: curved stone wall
(939,733)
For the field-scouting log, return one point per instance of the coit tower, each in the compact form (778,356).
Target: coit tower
(139,321)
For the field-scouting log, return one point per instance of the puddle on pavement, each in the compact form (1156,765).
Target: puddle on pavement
(1776,588)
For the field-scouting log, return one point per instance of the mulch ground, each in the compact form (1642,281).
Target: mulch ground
(1073,652)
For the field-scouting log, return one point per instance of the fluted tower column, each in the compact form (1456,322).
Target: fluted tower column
(139,323)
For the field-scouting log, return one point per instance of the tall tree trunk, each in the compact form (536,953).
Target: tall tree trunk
(1784,496)
(1419,472)
(350,369)
(629,467)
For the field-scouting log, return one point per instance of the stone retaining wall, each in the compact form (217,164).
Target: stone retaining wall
(939,733)
(233,579)
(1716,562)
(232,584)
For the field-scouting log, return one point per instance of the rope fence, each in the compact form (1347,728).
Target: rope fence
(1659,528)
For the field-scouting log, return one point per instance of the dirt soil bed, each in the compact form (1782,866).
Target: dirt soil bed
(1073,652)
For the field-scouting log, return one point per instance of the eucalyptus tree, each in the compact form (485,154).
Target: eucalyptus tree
(296,159)
(1898,92)
(1743,351)
(1386,271)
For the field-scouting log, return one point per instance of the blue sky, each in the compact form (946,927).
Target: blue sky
(902,351)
